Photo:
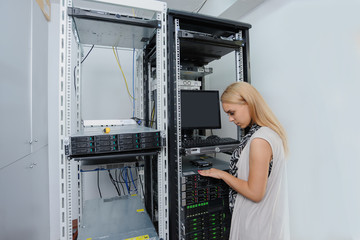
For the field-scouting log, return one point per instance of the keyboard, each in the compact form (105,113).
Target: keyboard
(199,142)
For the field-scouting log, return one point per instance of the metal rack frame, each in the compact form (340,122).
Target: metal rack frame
(198,23)
(69,168)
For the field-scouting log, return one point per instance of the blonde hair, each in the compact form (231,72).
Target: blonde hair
(260,112)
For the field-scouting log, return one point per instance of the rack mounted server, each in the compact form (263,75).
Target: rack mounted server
(121,139)
(204,202)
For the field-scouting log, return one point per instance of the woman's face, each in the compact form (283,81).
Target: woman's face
(238,114)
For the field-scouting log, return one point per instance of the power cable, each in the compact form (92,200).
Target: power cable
(98,182)
(81,62)
(201,6)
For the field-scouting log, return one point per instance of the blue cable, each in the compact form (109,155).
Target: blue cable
(127,176)
(125,180)
(94,170)
(122,174)
(132,179)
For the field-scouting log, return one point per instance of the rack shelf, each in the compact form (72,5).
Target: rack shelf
(201,48)
(189,72)
(111,29)
(116,218)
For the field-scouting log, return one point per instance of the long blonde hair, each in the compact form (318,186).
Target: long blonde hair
(260,112)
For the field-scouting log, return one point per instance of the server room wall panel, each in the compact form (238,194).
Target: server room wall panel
(24,179)
(104,92)
(15,68)
(24,201)
(39,96)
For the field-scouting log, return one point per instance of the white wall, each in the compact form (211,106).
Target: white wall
(103,86)
(24,180)
(305,60)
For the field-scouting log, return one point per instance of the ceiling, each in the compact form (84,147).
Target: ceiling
(231,9)
(184,5)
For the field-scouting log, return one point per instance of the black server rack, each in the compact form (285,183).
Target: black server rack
(194,41)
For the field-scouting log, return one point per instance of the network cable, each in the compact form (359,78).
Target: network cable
(125,179)
(132,179)
(118,62)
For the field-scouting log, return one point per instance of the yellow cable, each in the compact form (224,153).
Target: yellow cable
(152,115)
(117,60)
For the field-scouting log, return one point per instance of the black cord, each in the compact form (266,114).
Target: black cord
(98,183)
(121,184)
(117,183)
(90,52)
(202,5)
(113,182)
(127,174)
(122,177)
(81,62)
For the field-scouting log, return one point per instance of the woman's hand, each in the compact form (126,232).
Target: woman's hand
(254,187)
(212,172)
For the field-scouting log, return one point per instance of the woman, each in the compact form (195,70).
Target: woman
(257,176)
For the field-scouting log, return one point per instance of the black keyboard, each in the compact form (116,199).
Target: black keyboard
(199,142)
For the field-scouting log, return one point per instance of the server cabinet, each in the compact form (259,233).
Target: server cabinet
(194,41)
(86,145)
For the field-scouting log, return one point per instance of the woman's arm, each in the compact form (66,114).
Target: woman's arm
(254,188)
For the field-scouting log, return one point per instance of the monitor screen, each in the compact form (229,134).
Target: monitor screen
(200,109)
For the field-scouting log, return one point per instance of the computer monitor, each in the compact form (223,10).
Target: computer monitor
(200,109)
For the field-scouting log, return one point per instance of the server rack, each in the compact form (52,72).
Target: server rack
(112,24)
(195,40)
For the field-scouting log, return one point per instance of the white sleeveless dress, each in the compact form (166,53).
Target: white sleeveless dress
(268,219)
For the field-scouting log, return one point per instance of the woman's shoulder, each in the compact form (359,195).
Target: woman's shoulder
(272,138)
(267,133)
(265,130)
